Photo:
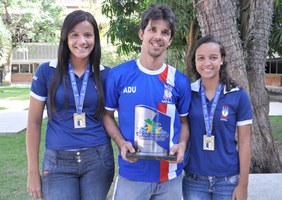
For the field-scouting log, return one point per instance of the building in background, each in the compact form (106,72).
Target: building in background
(273,70)
(26,60)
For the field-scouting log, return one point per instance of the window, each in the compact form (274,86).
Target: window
(35,67)
(279,67)
(15,68)
(273,66)
(24,68)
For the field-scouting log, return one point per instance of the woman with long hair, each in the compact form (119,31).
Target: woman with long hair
(78,158)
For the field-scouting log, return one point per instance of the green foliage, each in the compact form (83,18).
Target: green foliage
(124,23)
(111,58)
(124,26)
(125,18)
(46,27)
(35,20)
(184,12)
(275,43)
(5,44)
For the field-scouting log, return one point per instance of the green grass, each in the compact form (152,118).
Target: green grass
(14,92)
(276,126)
(13,165)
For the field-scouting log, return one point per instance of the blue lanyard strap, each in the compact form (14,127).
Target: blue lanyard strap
(208,117)
(79,98)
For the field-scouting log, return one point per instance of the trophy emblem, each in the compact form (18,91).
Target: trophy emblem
(151,134)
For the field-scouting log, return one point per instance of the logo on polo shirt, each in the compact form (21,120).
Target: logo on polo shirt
(167,97)
(224,113)
(129,89)
(34,77)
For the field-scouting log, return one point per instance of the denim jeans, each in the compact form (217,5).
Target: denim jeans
(136,190)
(81,174)
(208,187)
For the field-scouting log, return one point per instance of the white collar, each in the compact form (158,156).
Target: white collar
(195,86)
(151,72)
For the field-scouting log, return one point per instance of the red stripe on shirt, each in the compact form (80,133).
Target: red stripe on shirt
(163,75)
(163,170)
(164,165)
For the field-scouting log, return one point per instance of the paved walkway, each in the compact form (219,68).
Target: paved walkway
(14,119)
(275,109)
(265,187)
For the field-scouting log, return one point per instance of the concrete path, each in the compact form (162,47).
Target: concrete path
(14,119)
(275,109)
(13,122)
(265,187)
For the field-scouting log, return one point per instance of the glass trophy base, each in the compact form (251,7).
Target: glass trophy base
(150,156)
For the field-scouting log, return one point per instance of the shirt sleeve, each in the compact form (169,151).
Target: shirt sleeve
(184,100)
(111,92)
(244,114)
(39,84)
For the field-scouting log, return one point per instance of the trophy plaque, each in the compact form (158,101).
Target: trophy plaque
(151,134)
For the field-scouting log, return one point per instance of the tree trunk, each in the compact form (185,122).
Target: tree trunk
(257,15)
(7,73)
(218,17)
(191,37)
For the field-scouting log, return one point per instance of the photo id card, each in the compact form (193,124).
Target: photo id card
(79,120)
(208,143)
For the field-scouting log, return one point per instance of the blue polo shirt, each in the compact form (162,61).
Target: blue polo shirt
(60,132)
(233,109)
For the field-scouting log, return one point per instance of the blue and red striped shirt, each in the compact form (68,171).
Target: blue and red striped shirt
(165,89)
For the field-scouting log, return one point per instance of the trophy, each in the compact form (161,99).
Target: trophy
(151,134)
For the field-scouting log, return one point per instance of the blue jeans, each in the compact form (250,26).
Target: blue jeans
(81,174)
(136,190)
(208,187)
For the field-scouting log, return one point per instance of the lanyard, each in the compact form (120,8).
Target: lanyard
(79,98)
(208,117)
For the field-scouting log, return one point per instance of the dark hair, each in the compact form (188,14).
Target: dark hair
(156,12)
(61,71)
(223,75)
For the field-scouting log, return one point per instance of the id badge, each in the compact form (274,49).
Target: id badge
(79,120)
(208,143)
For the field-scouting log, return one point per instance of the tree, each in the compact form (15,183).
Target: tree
(244,27)
(29,21)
